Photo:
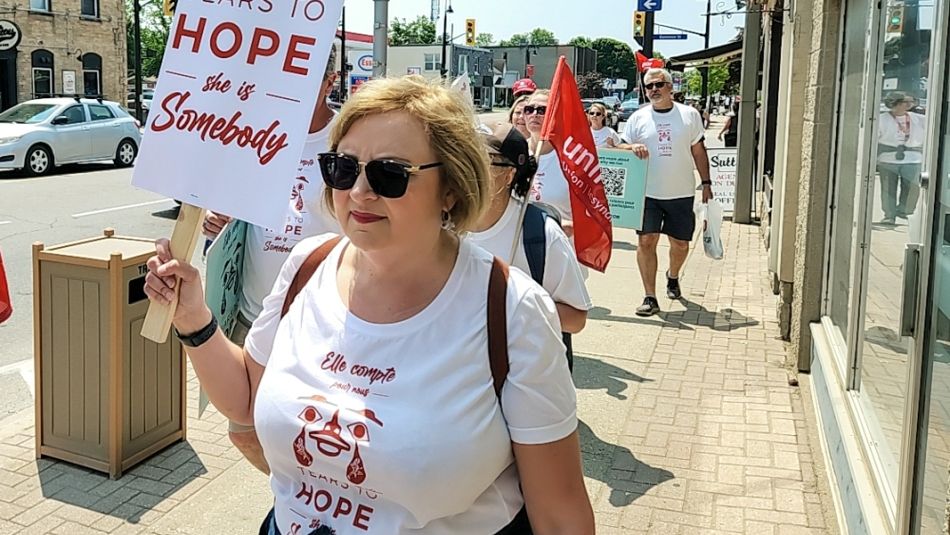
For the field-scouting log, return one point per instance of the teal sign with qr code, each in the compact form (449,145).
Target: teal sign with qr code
(625,182)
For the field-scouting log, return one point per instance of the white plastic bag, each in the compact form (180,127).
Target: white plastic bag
(710,216)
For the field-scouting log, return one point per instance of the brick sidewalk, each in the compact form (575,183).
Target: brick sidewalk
(688,425)
(717,439)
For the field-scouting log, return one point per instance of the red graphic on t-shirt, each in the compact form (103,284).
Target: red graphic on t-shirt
(331,439)
(665,133)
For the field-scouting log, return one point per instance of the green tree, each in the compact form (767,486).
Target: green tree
(581,42)
(615,59)
(484,39)
(590,84)
(154,34)
(536,37)
(417,32)
(718,76)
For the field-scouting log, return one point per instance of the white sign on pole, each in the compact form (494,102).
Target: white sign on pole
(233,103)
(722,172)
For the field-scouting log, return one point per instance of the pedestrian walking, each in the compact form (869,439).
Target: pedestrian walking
(266,250)
(550,185)
(377,372)
(730,131)
(604,136)
(672,137)
(901,136)
(516,115)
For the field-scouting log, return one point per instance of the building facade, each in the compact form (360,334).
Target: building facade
(59,47)
(426,60)
(853,155)
(540,62)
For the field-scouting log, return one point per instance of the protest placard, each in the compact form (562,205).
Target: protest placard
(230,115)
(722,172)
(232,106)
(625,181)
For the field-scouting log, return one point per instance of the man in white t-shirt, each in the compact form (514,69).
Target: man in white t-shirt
(671,136)
(266,250)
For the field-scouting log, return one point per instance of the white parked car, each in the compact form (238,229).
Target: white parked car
(40,134)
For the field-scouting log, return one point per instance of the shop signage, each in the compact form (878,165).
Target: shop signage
(9,35)
(722,172)
(233,103)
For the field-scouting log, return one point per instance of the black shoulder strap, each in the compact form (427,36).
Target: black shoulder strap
(498,324)
(535,241)
(307,269)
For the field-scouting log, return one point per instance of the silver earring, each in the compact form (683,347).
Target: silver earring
(447,223)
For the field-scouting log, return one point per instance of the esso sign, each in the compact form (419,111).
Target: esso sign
(366,62)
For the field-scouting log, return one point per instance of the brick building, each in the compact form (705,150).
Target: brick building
(50,47)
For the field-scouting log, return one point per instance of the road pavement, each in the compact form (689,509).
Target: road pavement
(75,203)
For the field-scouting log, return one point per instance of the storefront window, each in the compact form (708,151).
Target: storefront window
(848,155)
(894,215)
(92,74)
(42,61)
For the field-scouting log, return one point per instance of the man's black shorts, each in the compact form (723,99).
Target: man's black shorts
(673,217)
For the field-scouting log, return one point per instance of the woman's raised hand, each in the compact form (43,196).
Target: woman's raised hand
(165,273)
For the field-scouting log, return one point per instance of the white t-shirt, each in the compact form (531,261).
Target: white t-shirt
(563,278)
(669,137)
(395,428)
(307,216)
(550,185)
(601,136)
(909,130)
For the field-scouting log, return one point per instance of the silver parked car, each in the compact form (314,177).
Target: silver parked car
(40,134)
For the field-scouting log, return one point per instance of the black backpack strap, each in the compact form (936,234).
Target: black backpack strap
(307,269)
(498,324)
(535,241)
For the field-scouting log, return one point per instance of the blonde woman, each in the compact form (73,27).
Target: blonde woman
(604,136)
(372,392)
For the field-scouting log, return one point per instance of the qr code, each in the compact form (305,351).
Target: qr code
(615,180)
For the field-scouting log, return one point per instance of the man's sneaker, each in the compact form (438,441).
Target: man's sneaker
(673,287)
(649,307)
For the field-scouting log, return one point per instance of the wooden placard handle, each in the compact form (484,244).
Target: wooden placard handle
(158,320)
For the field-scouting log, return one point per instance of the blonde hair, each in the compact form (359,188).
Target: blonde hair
(523,99)
(450,124)
(600,107)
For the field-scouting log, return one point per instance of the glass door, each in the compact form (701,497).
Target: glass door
(894,212)
(931,504)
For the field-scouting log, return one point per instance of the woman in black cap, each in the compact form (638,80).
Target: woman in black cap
(559,272)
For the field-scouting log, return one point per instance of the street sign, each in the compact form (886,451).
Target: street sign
(669,36)
(649,5)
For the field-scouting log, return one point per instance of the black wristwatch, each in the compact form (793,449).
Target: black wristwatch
(706,183)
(199,337)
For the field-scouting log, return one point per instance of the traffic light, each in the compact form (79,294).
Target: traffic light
(639,23)
(168,7)
(470,32)
(895,19)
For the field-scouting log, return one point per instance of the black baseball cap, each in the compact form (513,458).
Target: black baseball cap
(505,141)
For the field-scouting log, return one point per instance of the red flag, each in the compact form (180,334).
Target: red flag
(641,61)
(566,127)
(6,305)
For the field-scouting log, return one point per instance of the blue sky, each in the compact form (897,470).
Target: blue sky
(566,18)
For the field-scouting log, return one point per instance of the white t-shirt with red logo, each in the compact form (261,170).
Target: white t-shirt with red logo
(550,186)
(669,136)
(395,428)
(307,216)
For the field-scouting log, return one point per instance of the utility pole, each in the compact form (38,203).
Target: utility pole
(380,37)
(445,29)
(648,31)
(137,31)
(343,63)
(705,70)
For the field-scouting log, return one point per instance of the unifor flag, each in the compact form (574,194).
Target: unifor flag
(566,127)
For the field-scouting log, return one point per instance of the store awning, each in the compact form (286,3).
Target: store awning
(725,53)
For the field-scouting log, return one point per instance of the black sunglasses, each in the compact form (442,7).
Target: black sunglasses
(655,85)
(388,178)
(596,114)
(531,110)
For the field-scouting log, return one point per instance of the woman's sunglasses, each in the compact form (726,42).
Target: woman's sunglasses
(595,114)
(388,178)
(531,110)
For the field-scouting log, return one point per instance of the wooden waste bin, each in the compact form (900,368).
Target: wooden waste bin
(106,398)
